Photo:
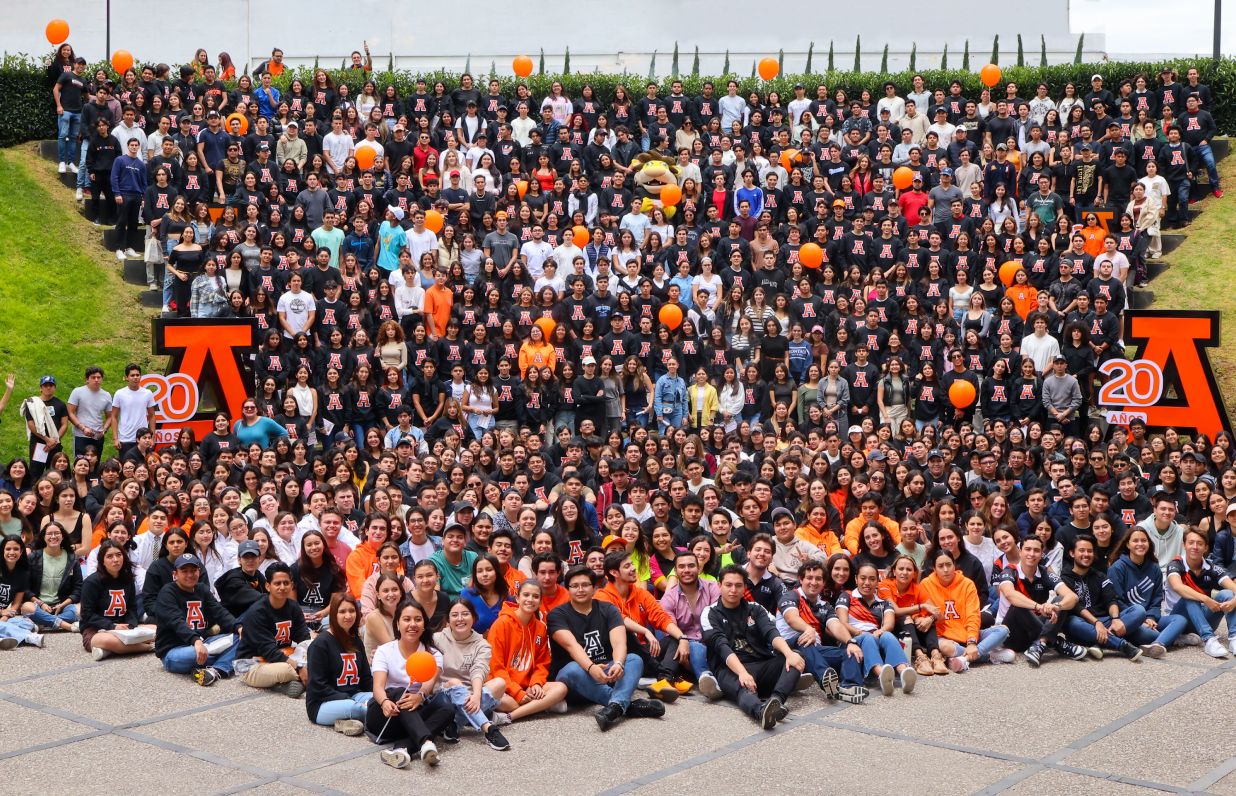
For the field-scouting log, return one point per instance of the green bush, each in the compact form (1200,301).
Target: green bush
(29,114)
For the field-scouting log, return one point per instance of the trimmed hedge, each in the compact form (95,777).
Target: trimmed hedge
(30,115)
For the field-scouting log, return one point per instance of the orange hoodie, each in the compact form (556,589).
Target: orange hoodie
(362,562)
(912,596)
(520,652)
(639,606)
(826,540)
(853,530)
(959,607)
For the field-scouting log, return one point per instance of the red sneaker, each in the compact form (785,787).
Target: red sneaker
(1218,194)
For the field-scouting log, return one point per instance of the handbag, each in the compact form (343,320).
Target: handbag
(154,251)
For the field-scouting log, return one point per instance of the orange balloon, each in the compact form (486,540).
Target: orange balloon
(57,31)
(121,61)
(522,185)
(434,221)
(811,255)
(1008,271)
(903,178)
(244,123)
(580,235)
(671,195)
(546,325)
(522,65)
(365,155)
(990,75)
(769,68)
(788,156)
(961,393)
(670,315)
(421,667)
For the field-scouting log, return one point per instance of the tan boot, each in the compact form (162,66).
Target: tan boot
(938,663)
(921,664)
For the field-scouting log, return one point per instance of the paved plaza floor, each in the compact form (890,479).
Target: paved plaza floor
(71,725)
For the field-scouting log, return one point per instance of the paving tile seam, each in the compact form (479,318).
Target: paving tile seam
(1110,776)
(26,678)
(57,712)
(52,744)
(1002,785)
(1214,775)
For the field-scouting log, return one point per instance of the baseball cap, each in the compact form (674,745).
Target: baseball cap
(780,512)
(611,539)
(247,548)
(876,456)
(454,526)
(1095,77)
(404,441)
(454,173)
(817,328)
(946,172)
(463,505)
(397,212)
(1231,507)
(854,430)
(188,560)
(935,453)
(294,123)
(589,361)
(838,203)
(43,382)
(212,114)
(263,147)
(1059,358)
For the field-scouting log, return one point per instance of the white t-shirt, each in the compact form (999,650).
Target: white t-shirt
(387,658)
(92,407)
(419,243)
(296,308)
(535,254)
(133,405)
(338,146)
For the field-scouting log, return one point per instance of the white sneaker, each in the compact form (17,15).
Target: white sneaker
(78,195)
(644,682)
(120,255)
(1231,642)
(35,639)
(429,753)
(1214,648)
(99,653)
(62,168)
(958,664)
(560,707)
(1002,655)
(132,255)
(73,167)
(501,719)
(399,758)
(709,686)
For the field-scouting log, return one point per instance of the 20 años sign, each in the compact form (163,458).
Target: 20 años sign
(208,372)
(1169,382)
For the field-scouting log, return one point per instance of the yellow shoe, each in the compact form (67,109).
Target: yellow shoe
(663,691)
(683,686)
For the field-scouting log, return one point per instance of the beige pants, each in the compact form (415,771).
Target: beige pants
(267,675)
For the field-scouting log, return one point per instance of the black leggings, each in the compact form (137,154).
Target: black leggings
(129,215)
(771,679)
(100,187)
(666,667)
(926,640)
(413,726)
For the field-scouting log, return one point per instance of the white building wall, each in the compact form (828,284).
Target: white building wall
(622,33)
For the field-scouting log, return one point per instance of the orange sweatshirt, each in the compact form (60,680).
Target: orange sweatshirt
(362,562)
(639,606)
(826,540)
(520,652)
(853,531)
(959,607)
(912,596)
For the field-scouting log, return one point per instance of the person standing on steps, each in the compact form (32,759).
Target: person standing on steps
(133,410)
(129,183)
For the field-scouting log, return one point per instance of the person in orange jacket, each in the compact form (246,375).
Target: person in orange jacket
(869,511)
(818,529)
(521,657)
(650,624)
(958,626)
(363,560)
(536,351)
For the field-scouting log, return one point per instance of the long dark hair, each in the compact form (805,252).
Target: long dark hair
(426,634)
(168,534)
(309,574)
(500,585)
(23,561)
(347,641)
(126,570)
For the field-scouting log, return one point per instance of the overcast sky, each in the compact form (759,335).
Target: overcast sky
(1140,27)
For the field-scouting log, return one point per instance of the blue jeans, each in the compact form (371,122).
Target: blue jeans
(579,683)
(457,695)
(1170,628)
(19,627)
(1201,618)
(887,649)
(698,656)
(68,124)
(820,658)
(1083,632)
(990,638)
(1207,156)
(668,421)
(336,709)
(44,619)
(83,176)
(182,660)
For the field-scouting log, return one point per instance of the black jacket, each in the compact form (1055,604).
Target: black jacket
(238,591)
(70,582)
(746,631)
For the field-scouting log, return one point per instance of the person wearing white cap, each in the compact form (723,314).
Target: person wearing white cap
(391,239)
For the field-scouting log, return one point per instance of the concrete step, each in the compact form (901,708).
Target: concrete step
(1155,267)
(1141,299)
(134,271)
(1221,146)
(136,241)
(1171,241)
(48,150)
(68,179)
(151,298)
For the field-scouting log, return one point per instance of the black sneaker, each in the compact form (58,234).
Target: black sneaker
(294,689)
(646,709)
(450,733)
(1068,649)
(1034,654)
(205,676)
(769,713)
(1132,652)
(496,740)
(853,694)
(829,683)
(608,716)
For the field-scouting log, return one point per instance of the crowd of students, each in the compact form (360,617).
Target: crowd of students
(665,457)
